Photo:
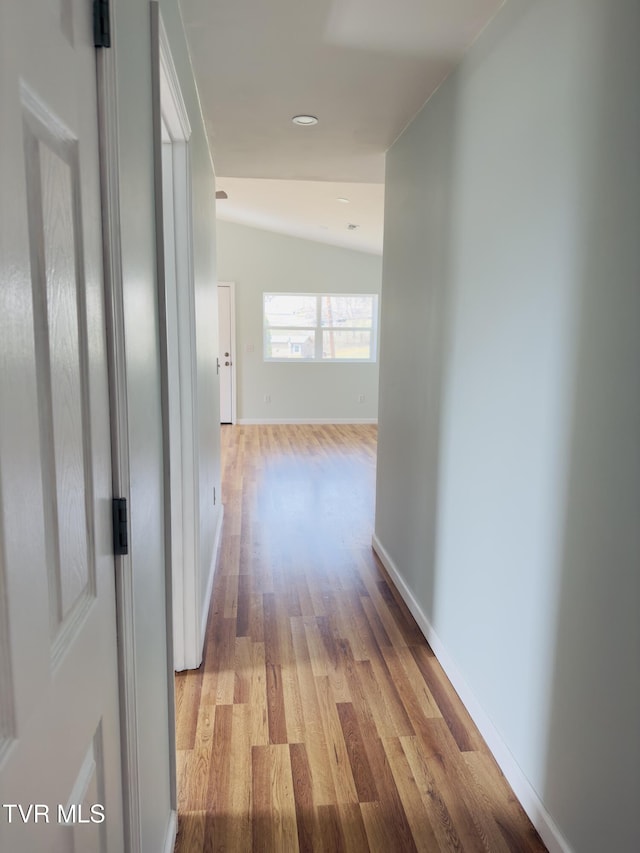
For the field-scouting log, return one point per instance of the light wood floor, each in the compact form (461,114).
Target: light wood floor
(320,719)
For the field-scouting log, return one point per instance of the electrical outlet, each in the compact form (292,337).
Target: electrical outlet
(267,398)
(249,348)
(361,398)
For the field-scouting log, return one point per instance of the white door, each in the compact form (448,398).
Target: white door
(59,727)
(226,351)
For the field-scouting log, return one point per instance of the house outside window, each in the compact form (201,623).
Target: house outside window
(320,327)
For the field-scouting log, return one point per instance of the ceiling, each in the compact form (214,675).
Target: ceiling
(363,67)
(309,209)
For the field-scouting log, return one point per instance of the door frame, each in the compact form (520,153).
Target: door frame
(106,66)
(232,303)
(184,579)
(108,135)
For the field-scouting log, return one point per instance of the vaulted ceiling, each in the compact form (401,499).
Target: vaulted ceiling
(364,68)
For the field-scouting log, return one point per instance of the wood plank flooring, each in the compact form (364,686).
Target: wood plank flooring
(320,719)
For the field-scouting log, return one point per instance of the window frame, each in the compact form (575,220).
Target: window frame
(318,329)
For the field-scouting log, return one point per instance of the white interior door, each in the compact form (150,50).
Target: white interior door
(59,727)
(226,349)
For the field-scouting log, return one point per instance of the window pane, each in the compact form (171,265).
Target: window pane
(346,344)
(347,311)
(289,343)
(289,309)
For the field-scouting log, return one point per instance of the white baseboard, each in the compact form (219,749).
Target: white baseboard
(530,801)
(172,831)
(258,421)
(212,572)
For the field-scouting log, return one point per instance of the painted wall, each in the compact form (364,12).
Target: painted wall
(509,425)
(131,40)
(261,261)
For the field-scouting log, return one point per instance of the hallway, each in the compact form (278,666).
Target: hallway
(320,719)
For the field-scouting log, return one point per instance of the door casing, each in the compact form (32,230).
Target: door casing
(176,297)
(106,65)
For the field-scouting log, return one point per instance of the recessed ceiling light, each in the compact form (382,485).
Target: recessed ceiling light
(344,200)
(304,120)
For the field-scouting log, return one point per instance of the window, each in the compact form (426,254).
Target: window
(320,326)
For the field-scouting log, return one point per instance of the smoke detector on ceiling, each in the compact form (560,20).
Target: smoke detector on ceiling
(304,120)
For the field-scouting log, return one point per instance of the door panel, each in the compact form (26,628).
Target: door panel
(59,727)
(88,791)
(58,286)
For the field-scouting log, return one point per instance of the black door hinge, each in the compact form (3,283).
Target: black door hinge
(120,535)
(101,23)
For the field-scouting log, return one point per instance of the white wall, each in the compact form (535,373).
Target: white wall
(509,466)
(260,261)
(131,40)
